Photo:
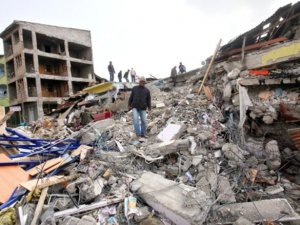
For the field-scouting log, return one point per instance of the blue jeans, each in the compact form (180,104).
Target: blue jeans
(139,130)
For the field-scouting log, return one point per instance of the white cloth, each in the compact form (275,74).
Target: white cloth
(245,103)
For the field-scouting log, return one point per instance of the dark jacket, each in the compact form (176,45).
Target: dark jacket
(120,74)
(126,74)
(140,98)
(111,68)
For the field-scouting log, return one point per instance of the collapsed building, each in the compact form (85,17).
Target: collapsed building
(227,155)
(45,63)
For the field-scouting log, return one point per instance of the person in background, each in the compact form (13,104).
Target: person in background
(182,68)
(126,75)
(139,101)
(120,76)
(174,75)
(113,93)
(133,75)
(111,71)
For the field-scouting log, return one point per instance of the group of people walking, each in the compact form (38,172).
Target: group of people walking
(112,72)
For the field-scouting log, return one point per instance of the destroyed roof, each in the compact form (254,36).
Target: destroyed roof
(273,27)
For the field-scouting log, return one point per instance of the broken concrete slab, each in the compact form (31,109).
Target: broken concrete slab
(169,198)
(70,220)
(225,192)
(87,220)
(167,147)
(272,209)
(171,131)
(242,221)
(273,190)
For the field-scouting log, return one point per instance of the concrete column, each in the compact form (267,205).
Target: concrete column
(40,111)
(70,87)
(25,88)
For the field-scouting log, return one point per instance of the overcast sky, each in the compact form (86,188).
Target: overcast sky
(150,35)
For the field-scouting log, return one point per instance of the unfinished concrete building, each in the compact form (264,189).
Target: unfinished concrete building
(44,64)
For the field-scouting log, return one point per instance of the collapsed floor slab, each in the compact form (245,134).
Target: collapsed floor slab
(182,204)
(257,211)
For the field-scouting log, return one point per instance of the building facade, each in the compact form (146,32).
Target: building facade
(45,63)
(3,83)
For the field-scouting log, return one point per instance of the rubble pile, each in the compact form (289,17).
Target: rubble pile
(228,155)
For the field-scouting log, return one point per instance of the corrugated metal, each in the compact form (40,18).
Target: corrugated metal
(295,136)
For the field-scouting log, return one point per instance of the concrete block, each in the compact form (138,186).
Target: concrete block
(272,190)
(182,204)
(87,220)
(171,132)
(242,221)
(272,209)
(160,105)
(70,220)
(168,147)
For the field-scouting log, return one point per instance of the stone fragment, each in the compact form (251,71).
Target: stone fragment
(225,192)
(160,105)
(168,147)
(87,138)
(90,190)
(171,132)
(233,74)
(70,220)
(142,214)
(233,153)
(273,156)
(242,221)
(272,190)
(227,92)
(196,160)
(169,198)
(268,119)
(87,220)
(272,209)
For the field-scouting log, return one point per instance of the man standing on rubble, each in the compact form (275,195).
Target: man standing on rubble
(174,75)
(120,76)
(139,101)
(133,75)
(126,76)
(182,68)
(111,71)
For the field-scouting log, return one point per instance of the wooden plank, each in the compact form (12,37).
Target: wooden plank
(10,177)
(6,117)
(46,182)
(207,93)
(44,166)
(209,66)
(39,207)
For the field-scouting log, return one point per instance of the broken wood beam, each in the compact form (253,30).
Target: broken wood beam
(209,66)
(47,182)
(39,207)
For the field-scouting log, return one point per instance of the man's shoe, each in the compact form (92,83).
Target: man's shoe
(144,136)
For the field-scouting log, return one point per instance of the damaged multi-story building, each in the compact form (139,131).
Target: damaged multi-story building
(45,63)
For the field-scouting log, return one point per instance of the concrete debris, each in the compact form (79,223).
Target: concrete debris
(223,156)
(172,131)
(242,221)
(258,211)
(273,155)
(273,190)
(170,199)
